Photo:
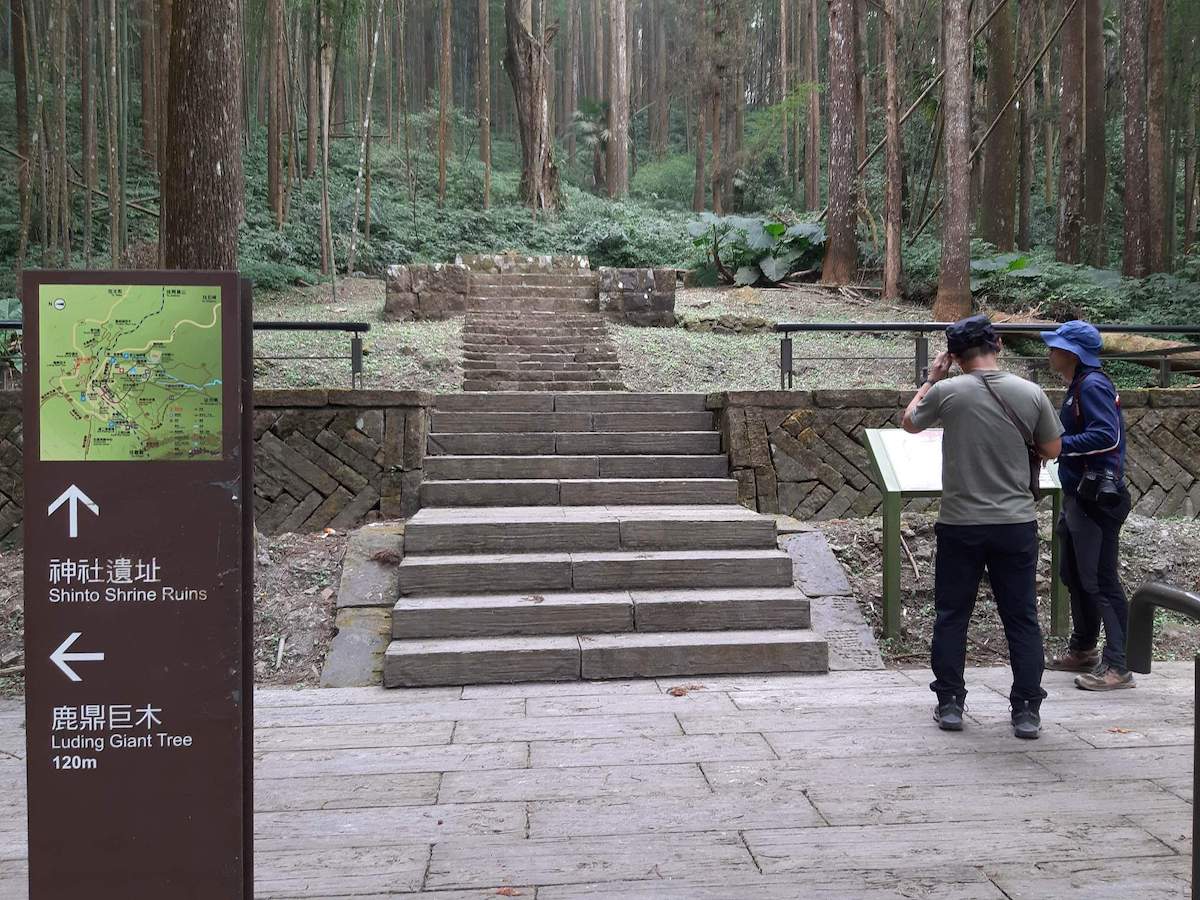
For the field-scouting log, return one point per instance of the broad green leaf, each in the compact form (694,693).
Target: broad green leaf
(746,275)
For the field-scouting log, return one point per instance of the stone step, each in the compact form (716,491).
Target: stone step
(602,402)
(538,375)
(518,341)
(579,529)
(504,357)
(435,574)
(466,422)
(479,368)
(500,660)
(571,444)
(522,290)
(551,279)
(599,612)
(654,654)
(492,385)
(582,492)
(542,304)
(563,466)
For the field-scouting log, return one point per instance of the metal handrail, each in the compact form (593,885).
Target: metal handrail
(922,330)
(355,329)
(1138,652)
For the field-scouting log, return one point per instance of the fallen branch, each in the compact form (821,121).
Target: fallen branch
(12,670)
(911,559)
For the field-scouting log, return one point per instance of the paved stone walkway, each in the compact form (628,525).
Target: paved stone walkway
(756,787)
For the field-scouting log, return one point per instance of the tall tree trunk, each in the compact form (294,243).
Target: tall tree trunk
(841,246)
(445,99)
(113,104)
(364,156)
(274,37)
(1095,166)
(1048,96)
(203,155)
(87,167)
(812,145)
(661,82)
(61,187)
(1156,135)
(700,187)
(618,103)
(312,115)
(954,285)
(893,264)
(999,155)
(1190,173)
(1025,127)
(1135,259)
(165,17)
(784,129)
(484,99)
(861,88)
(326,102)
(149,46)
(526,64)
(600,57)
(571,94)
(1070,141)
(24,145)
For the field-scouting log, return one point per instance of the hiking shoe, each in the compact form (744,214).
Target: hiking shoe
(948,714)
(1075,661)
(1026,721)
(1106,679)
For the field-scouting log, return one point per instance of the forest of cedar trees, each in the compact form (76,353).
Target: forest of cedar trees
(300,140)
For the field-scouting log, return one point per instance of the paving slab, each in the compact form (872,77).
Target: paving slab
(681,781)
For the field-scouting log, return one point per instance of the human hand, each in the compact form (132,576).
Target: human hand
(941,367)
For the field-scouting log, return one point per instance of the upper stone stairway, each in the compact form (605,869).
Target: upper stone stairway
(537,331)
(588,535)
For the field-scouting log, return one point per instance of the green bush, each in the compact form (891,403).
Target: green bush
(747,250)
(671,180)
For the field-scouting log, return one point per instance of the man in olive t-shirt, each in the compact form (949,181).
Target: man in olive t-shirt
(988,513)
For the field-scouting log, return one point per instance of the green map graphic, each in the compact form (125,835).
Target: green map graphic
(130,372)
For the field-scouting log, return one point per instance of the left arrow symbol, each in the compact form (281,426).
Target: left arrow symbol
(73,496)
(61,657)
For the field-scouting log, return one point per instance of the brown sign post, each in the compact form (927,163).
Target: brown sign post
(137,585)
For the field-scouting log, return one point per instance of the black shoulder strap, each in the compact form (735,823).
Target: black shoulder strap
(1026,434)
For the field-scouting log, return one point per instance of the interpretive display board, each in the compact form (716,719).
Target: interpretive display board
(910,465)
(137,572)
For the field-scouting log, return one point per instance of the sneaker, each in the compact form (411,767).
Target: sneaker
(1075,661)
(1026,721)
(948,714)
(1105,679)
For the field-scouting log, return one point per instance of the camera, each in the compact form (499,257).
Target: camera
(1101,488)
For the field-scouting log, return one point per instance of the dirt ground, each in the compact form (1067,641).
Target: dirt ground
(294,597)
(1152,549)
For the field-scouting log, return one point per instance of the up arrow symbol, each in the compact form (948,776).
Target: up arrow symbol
(61,657)
(73,496)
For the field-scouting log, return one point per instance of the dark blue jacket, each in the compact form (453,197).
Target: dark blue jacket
(1094,429)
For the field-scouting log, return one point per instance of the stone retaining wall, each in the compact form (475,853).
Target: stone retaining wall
(801,453)
(512,263)
(638,296)
(436,291)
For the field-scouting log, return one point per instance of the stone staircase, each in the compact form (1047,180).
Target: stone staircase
(537,331)
(588,535)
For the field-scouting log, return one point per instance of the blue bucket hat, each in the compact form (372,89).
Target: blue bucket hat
(1079,338)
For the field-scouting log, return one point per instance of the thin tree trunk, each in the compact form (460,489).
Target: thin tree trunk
(1095,166)
(274,62)
(525,62)
(860,84)
(61,186)
(113,100)
(1156,135)
(1070,141)
(21,83)
(149,43)
(893,265)
(1025,126)
(87,162)
(1000,157)
(328,266)
(312,114)
(1135,260)
(1190,172)
(445,99)
(841,245)
(571,94)
(699,189)
(203,155)
(812,147)
(954,285)
(1048,102)
(484,99)
(364,152)
(784,128)
(618,103)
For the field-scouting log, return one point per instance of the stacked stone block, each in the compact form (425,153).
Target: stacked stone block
(638,296)
(436,291)
(512,263)
(337,459)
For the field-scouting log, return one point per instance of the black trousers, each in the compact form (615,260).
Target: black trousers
(1091,570)
(1009,554)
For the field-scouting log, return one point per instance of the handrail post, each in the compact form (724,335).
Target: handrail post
(921,360)
(785,362)
(356,360)
(1164,371)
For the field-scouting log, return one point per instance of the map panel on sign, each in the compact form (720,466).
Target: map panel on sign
(130,372)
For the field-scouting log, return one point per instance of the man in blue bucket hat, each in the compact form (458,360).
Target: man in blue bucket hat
(1095,506)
